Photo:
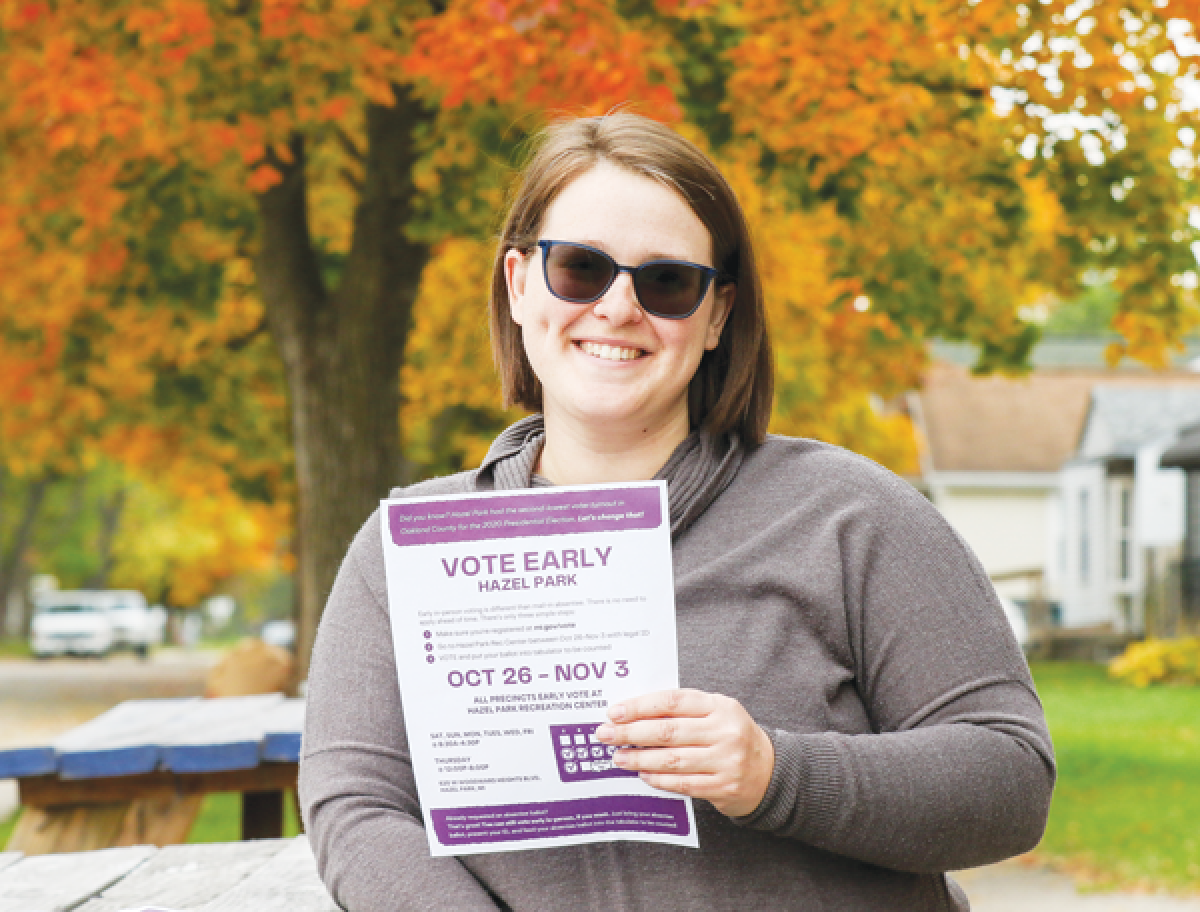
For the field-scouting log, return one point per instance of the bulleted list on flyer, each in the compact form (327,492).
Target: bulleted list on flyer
(518,618)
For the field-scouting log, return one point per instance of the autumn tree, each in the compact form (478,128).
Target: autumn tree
(141,440)
(912,170)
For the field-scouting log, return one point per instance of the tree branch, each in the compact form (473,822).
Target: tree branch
(239,342)
(349,146)
(949,88)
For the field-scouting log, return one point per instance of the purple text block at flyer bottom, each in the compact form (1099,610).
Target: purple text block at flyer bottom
(549,819)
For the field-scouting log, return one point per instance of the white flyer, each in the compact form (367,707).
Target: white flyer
(517,618)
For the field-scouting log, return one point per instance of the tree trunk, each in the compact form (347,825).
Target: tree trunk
(342,350)
(13,551)
(110,522)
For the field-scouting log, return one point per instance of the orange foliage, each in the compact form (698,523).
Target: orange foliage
(580,55)
(868,141)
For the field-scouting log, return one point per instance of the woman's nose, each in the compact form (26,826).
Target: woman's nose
(619,305)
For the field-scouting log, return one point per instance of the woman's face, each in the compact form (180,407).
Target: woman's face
(609,364)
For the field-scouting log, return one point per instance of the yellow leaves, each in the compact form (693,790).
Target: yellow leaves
(376,89)
(196,239)
(828,366)
(1046,217)
(188,543)
(1158,662)
(449,363)
(1149,338)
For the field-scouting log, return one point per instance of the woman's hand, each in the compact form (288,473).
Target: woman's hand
(699,744)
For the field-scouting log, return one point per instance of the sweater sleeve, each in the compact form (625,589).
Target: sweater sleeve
(959,769)
(357,789)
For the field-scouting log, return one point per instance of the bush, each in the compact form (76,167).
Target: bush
(1159,662)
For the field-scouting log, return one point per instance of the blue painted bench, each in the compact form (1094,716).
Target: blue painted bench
(149,763)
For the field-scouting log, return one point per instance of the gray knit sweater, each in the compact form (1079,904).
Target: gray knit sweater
(818,589)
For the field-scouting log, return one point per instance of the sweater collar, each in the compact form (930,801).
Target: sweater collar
(699,469)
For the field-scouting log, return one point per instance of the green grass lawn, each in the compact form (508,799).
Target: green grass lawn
(220,818)
(1126,810)
(14,648)
(6,828)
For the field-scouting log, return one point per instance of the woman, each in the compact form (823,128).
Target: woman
(855,715)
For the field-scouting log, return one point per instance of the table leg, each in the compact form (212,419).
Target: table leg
(262,815)
(71,828)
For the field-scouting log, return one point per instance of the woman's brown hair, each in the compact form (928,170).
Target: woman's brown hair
(732,389)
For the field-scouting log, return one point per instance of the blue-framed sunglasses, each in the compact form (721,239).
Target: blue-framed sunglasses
(665,288)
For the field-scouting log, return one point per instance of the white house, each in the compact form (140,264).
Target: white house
(993,451)
(1122,514)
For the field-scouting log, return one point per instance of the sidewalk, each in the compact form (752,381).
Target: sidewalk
(1014,887)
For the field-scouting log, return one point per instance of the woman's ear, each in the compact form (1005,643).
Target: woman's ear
(723,299)
(516,270)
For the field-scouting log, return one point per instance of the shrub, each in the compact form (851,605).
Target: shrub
(1159,662)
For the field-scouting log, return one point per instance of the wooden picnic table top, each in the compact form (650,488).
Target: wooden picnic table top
(185,736)
(215,877)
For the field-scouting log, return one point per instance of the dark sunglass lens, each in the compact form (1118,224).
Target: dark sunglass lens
(576,273)
(669,289)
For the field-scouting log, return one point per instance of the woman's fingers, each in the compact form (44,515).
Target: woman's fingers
(659,719)
(694,743)
(666,760)
(676,702)
(726,781)
(655,733)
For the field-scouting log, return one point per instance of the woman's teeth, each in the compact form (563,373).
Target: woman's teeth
(610,352)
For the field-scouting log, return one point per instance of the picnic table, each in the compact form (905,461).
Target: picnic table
(138,773)
(213,877)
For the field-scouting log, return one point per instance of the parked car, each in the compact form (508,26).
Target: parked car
(94,622)
(280,633)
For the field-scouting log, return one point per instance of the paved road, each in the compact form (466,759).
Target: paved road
(167,673)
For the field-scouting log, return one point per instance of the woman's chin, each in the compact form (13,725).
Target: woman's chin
(613,415)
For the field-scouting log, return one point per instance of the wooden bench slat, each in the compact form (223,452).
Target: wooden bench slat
(58,883)
(50,791)
(121,742)
(186,877)
(218,734)
(284,727)
(288,883)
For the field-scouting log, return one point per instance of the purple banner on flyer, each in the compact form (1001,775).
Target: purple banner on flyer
(549,819)
(435,522)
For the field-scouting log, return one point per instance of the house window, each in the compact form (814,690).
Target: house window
(1192,536)
(1124,531)
(1084,538)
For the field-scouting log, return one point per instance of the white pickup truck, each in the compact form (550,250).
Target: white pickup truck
(94,622)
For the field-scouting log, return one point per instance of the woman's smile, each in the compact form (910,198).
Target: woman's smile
(610,352)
